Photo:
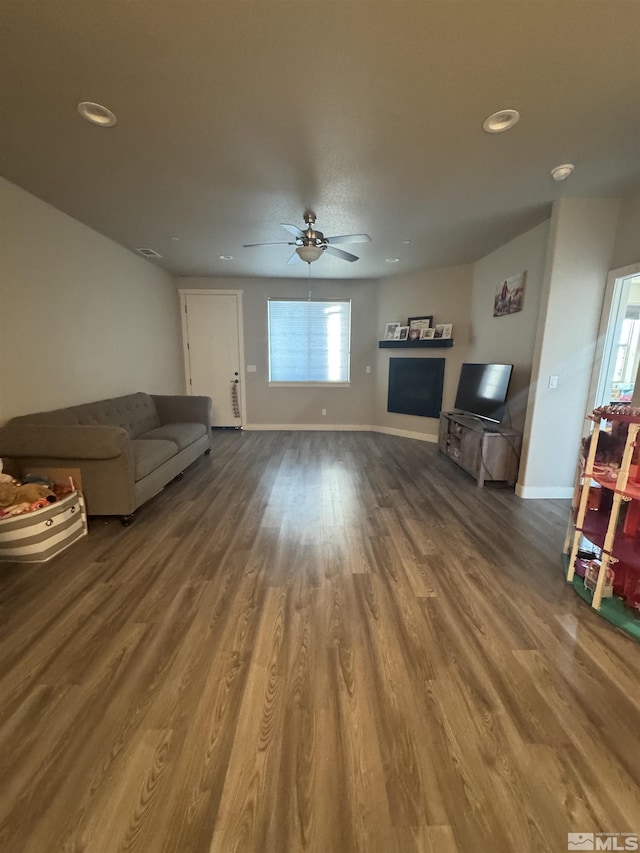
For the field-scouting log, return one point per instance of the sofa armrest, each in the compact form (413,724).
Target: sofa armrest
(62,441)
(183,409)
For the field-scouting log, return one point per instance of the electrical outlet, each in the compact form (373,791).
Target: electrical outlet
(324,411)
(368,369)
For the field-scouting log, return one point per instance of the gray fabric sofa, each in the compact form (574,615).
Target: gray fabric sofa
(127,448)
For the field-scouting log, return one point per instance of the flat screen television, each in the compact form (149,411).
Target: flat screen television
(482,390)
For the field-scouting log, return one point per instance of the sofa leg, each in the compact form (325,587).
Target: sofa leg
(207,451)
(126,520)
(179,476)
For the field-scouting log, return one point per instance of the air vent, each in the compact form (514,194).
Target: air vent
(148,253)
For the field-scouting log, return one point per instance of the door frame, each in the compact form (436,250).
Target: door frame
(608,332)
(188,291)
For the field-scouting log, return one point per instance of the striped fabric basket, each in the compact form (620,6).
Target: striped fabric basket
(37,536)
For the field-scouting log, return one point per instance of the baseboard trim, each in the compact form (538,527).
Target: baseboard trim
(311,427)
(403,433)
(544,492)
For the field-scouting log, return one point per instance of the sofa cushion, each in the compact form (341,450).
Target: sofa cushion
(136,413)
(149,455)
(182,434)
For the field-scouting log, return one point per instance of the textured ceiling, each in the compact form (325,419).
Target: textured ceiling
(236,115)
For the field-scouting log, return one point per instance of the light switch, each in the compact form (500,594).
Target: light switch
(553,382)
(251,368)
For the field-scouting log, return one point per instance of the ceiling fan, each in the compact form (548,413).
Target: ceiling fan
(310,244)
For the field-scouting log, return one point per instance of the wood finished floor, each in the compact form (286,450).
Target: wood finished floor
(325,642)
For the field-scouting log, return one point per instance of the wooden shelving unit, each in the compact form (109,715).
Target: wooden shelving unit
(602,545)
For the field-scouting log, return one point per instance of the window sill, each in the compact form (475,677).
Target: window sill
(309,384)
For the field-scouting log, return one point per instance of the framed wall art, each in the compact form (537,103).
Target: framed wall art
(509,295)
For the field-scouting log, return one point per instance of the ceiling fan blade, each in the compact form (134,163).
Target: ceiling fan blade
(346,256)
(282,243)
(294,258)
(292,229)
(349,238)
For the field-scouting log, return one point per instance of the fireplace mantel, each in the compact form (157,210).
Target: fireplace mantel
(432,344)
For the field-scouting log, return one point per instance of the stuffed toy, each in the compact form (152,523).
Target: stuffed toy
(31,492)
(12,494)
(7,493)
(5,478)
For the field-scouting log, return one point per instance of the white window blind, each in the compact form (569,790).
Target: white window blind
(309,340)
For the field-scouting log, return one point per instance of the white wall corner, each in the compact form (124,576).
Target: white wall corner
(544,492)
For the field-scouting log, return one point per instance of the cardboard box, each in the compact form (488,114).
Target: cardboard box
(59,475)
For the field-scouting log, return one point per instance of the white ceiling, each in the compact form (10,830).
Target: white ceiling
(236,115)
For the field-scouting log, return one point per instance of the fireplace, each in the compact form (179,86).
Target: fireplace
(415,386)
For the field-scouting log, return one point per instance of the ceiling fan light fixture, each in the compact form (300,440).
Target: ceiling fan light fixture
(500,121)
(309,254)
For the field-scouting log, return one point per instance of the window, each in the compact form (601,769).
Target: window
(621,342)
(309,340)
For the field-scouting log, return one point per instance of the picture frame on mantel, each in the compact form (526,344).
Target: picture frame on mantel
(390,330)
(419,323)
(443,330)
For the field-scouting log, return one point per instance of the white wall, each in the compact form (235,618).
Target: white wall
(81,318)
(510,339)
(445,294)
(627,246)
(302,406)
(581,243)
(107,323)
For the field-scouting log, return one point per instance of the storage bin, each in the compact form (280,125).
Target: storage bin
(37,536)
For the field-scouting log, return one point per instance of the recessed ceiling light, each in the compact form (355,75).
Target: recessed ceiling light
(561,173)
(226,257)
(96,114)
(406,242)
(392,260)
(174,237)
(500,121)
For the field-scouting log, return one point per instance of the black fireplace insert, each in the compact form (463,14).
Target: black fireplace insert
(415,386)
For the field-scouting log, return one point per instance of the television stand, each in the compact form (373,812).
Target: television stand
(488,452)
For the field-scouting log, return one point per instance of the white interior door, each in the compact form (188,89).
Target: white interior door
(213,354)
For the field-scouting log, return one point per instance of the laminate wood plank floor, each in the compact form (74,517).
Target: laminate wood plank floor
(326,642)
